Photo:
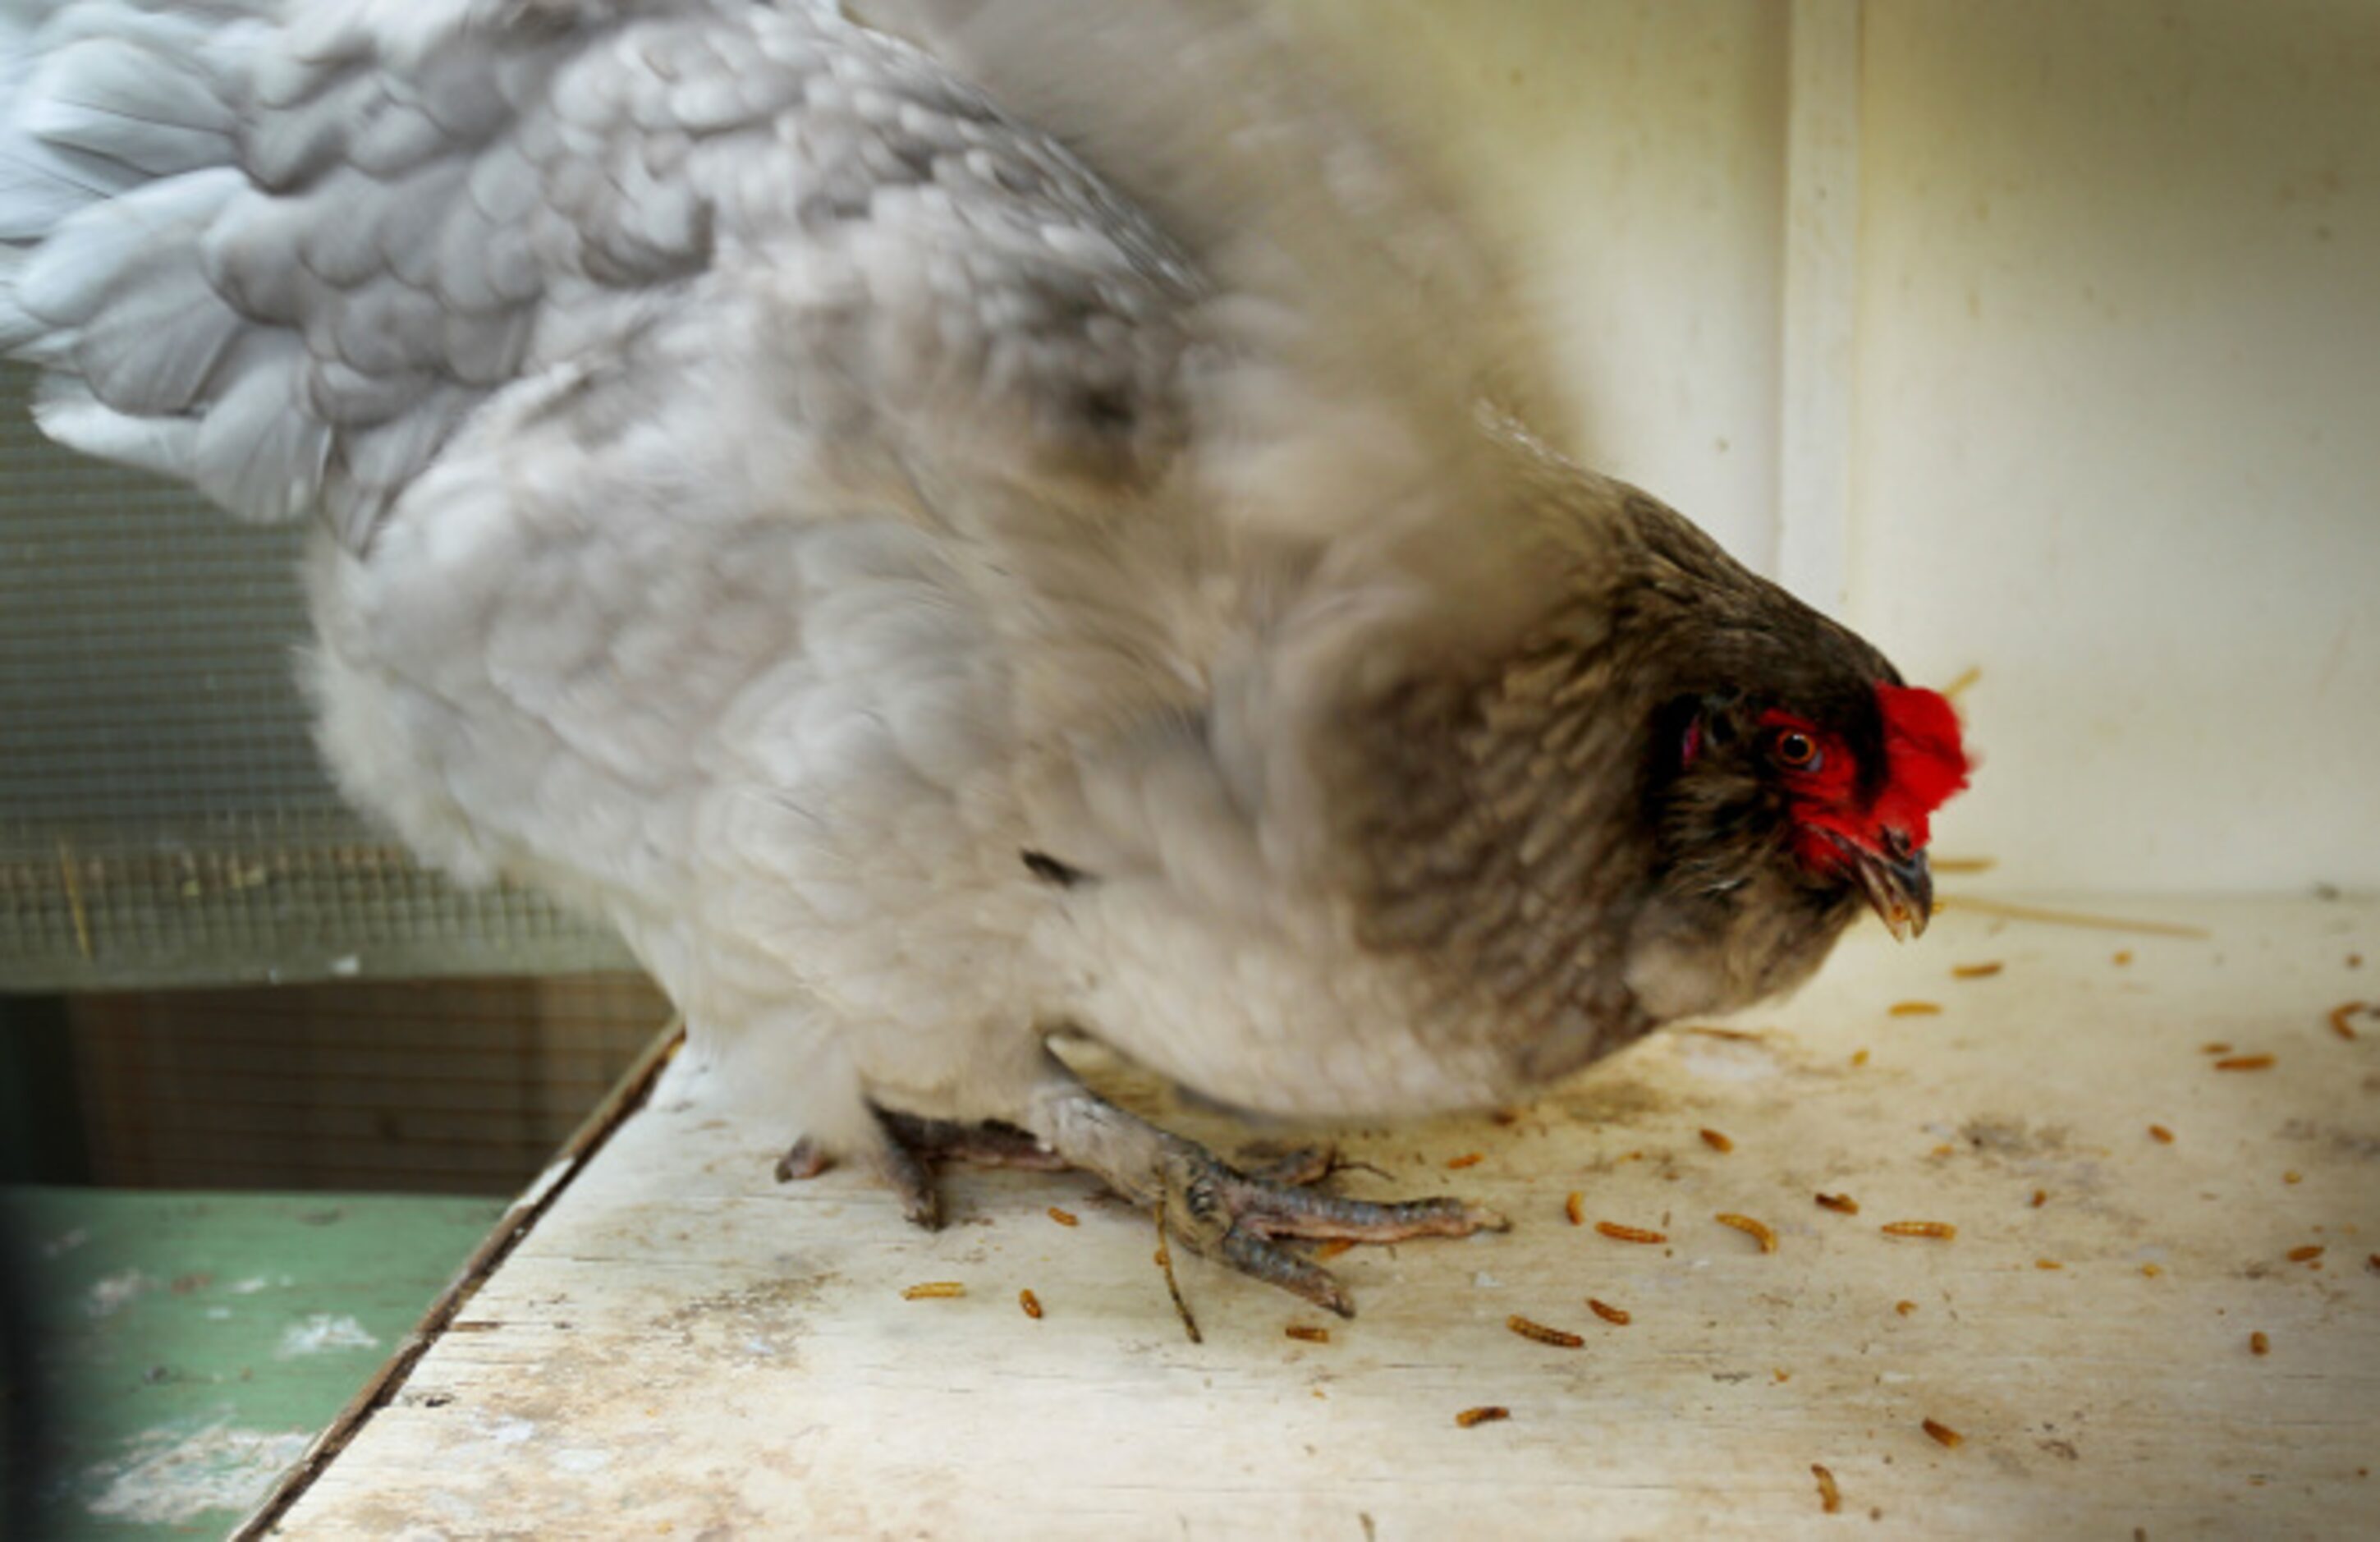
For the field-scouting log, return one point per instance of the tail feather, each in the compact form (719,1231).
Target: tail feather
(119,142)
(68,412)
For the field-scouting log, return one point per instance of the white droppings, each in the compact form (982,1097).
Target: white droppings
(109,1295)
(1728,1059)
(65,1243)
(256,1282)
(320,1333)
(172,1478)
(582,1459)
(218,1314)
(347,965)
(1486,1281)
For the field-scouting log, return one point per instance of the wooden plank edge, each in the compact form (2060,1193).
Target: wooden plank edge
(626,1097)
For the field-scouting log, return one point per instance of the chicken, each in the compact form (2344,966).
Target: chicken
(950,525)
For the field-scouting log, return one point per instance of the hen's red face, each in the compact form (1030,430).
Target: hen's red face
(1850,821)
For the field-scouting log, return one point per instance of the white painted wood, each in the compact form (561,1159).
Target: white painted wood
(1821,309)
(682,1346)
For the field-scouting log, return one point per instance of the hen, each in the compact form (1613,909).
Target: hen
(951,524)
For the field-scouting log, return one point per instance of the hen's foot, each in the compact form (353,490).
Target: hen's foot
(912,1148)
(1230,1215)
(1227,1215)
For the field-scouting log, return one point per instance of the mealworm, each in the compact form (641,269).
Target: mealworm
(1542,1334)
(1759,1231)
(1617,1232)
(1941,1230)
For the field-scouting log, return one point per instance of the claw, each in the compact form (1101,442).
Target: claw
(803,1161)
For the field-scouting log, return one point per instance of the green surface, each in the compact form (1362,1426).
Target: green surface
(187,1346)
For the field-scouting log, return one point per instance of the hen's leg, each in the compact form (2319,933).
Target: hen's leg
(1222,1212)
(914,1146)
(991,1144)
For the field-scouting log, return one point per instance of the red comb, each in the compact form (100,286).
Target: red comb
(1924,762)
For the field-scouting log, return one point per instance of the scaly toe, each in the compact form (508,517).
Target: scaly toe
(1252,1256)
(1278,1212)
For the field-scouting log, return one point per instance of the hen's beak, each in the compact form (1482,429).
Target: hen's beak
(1897,884)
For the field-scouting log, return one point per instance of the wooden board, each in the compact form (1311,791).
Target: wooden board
(188,1345)
(681,1345)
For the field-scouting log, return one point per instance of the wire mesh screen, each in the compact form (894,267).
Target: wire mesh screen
(163,817)
(456,1086)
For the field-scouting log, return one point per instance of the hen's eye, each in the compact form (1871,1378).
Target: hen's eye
(1794,750)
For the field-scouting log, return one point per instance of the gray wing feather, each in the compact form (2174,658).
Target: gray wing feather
(365,223)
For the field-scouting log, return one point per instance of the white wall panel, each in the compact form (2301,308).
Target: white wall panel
(2118,426)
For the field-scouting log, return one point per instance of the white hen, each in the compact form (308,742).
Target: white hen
(927,594)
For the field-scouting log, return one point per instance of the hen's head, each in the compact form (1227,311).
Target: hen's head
(1827,782)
